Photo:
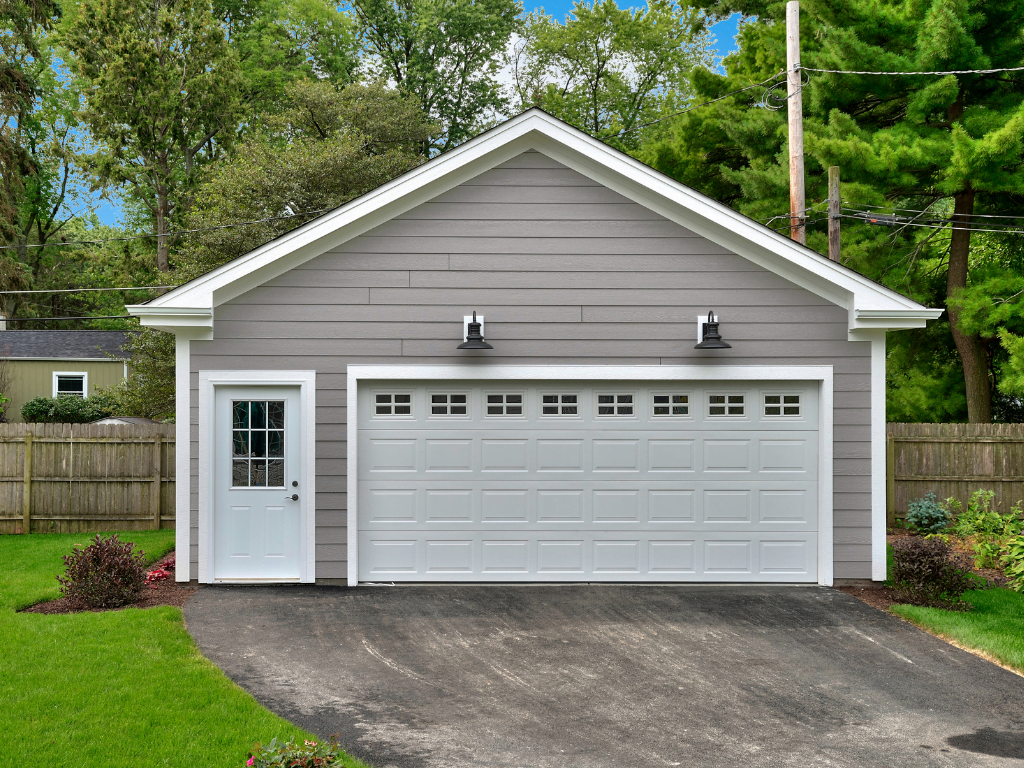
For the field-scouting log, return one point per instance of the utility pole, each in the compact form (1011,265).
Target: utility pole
(835,203)
(797,203)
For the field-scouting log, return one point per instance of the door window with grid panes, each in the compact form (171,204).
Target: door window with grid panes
(782,405)
(503,404)
(726,405)
(449,404)
(559,405)
(257,455)
(618,404)
(392,404)
(669,404)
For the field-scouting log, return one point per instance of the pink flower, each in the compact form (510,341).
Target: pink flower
(250,761)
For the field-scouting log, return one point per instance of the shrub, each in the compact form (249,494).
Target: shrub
(980,519)
(1013,559)
(926,516)
(311,754)
(924,573)
(67,409)
(105,574)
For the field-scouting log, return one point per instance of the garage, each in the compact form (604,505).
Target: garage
(562,480)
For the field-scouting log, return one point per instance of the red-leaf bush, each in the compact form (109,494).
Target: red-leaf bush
(925,573)
(105,574)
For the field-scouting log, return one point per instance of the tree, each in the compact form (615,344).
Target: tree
(609,70)
(326,147)
(446,53)
(20,23)
(280,41)
(162,98)
(148,391)
(950,145)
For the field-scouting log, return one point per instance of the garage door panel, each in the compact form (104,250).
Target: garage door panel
(588,497)
(599,556)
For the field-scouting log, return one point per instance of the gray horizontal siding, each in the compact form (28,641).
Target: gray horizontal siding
(566,272)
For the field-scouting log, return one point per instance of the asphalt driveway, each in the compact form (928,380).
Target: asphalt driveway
(587,676)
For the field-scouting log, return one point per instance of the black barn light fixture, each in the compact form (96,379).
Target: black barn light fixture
(474,339)
(710,337)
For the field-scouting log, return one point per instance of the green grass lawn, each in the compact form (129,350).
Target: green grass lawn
(122,688)
(995,626)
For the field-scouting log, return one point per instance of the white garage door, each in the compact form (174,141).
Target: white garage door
(493,481)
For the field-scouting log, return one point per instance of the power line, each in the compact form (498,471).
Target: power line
(81,290)
(169,234)
(698,106)
(895,222)
(950,72)
(915,210)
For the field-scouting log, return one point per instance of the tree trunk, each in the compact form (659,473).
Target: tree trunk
(162,245)
(972,351)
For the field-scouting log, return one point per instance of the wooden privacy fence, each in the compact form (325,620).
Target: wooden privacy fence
(953,460)
(72,478)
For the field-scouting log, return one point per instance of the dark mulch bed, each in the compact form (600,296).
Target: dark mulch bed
(883,597)
(165,592)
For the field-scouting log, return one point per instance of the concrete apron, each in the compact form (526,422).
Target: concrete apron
(610,675)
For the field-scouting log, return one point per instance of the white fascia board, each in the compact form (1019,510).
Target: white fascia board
(892,320)
(196,320)
(535,130)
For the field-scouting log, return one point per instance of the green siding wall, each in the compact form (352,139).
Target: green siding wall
(34,378)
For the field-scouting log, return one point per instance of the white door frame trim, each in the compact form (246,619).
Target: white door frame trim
(819,373)
(306,382)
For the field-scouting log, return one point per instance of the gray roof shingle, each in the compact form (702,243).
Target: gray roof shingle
(61,344)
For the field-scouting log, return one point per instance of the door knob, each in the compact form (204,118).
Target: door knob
(293,497)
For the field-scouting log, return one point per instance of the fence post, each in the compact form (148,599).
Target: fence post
(890,480)
(26,501)
(155,491)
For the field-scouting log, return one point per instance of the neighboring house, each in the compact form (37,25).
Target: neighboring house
(127,420)
(51,363)
(331,428)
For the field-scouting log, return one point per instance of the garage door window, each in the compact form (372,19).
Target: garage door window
(669,405)
(503,404)
(392,404)
(726,405)
(782,405)
(449,404)
(559,405)
(615,405)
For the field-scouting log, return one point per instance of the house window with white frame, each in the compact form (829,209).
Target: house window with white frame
(70,384)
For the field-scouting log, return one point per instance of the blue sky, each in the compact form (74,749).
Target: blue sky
(109,213)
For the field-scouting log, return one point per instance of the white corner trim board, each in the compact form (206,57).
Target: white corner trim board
(821,374)
(208,381)
(878,469)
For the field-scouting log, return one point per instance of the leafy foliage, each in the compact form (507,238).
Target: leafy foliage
(445,53)
(148,390)
(981,519)
(926,516)
(330,145)
(949,145)
(608,69)
(1013,559)
(161,96)
(108,573)
(309,754)
(924,573)
(68,409)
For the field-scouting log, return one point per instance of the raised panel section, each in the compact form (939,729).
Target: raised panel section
(448,506)
(670,455)
(559,506)
(560,556)
(392,455)
(274,527)
(726,455)
(391,556)
(616,506)
(785,507)
(617,557)
(727,506)
(238,532)
(671,557)
(559,455)
(784,456)
(509,557)
(789,557)
(616,455)
(503,506)
(728,557)
(391,506)
(503,455)
(449,455)
(670,506)
(449,556)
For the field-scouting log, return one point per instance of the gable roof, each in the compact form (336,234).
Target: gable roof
(62,345)
(870,305)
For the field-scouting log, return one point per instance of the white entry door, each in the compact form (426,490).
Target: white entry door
(258,493)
